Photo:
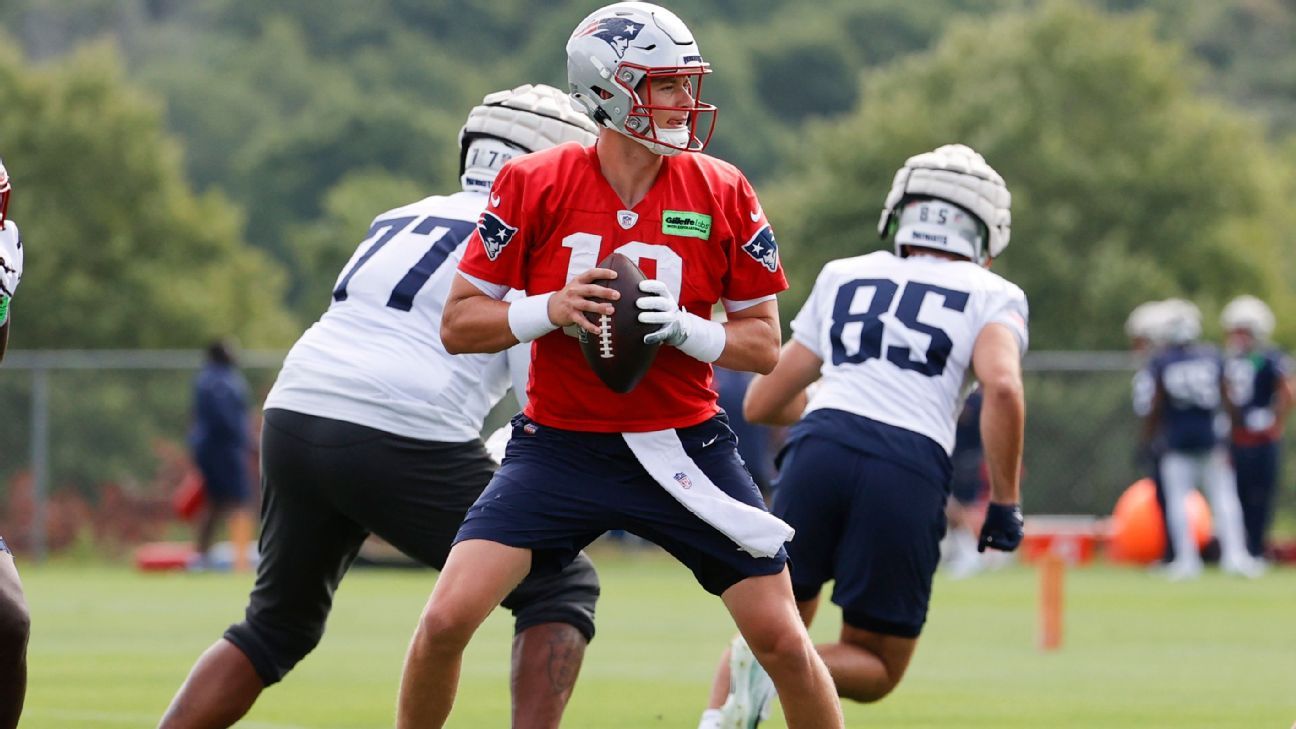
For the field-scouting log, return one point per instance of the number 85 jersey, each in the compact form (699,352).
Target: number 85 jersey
(699,229)
(896,336)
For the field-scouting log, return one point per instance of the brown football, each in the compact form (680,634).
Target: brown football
(618,354)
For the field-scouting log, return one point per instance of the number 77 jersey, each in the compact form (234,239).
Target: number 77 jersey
(699,229)
(896,336)
(375,358)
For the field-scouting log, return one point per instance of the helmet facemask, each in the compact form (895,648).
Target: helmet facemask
(640,124)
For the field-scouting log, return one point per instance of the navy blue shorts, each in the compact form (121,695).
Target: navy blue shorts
(225,475)
(867,522)
(559,490)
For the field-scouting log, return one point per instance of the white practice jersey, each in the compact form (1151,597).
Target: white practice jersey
(896,336)
(375,358)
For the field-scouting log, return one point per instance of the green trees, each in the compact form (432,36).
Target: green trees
(1127,184)
(121,253)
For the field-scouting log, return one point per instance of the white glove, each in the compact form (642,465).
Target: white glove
(699,338)
(11,258)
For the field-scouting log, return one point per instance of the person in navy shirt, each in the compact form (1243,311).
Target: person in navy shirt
(219,440)
(1260,388)
(1188,407)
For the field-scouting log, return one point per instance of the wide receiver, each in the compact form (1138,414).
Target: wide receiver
(15,620)
(373,427)
(659,461)
(891,338)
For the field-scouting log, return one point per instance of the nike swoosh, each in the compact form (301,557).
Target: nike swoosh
(713,439)
(755,215)
(495,201)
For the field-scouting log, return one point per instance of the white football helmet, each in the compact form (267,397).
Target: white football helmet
(511,123)
(614,50)
(1144,322)
(1181,321)
(957,174)
(1248,314)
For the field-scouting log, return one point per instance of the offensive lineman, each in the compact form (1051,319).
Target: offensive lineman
(1260,386)
(892,339)
(659,461)
(15,620)
(373,427)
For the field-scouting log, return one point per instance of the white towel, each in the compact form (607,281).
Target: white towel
(756,531)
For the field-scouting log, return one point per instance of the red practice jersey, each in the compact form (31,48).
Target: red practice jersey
(552,215)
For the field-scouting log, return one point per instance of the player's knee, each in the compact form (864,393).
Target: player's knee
(867,694)
(568,597)
(443,630)
(275,647)
(785,649)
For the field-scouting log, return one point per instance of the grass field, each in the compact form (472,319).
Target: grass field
(110,646)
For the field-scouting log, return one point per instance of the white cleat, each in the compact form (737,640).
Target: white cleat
(751,692)
(1245,566)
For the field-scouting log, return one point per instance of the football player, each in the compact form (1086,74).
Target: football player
(1260,386)
(659,461)
(1188,405)
(372,427)
(1146,328)
(15,620)
(890,339)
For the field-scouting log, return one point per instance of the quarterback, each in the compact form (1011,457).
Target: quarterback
(891,338)
(659,461)
(372,427)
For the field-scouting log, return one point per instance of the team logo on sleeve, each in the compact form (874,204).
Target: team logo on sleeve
(616,32)
(495,234)
(764,249)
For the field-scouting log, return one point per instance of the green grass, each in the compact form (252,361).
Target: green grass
(110,646)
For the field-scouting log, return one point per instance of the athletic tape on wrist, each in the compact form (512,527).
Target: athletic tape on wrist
(529,318)
(706,338)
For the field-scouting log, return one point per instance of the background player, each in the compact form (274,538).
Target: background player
(373,427)
(1260,387)
(220,441)
(1146,327)
(15,620)
(865,475)
(584,459)
(1187,408)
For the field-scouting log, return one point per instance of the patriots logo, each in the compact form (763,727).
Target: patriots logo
(764,249)
(616,32)
(495,234)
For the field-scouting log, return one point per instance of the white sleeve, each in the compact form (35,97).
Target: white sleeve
(807,327)
(1009,308)
(495,291)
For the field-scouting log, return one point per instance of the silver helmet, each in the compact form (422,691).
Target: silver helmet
(614,52)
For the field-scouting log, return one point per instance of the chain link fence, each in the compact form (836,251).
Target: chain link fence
(92,443)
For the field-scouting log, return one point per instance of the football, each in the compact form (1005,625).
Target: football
(617,354)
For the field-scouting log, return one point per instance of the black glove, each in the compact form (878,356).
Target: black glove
(1003,527)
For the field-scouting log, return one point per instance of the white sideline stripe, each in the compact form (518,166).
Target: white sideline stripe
(118,717)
